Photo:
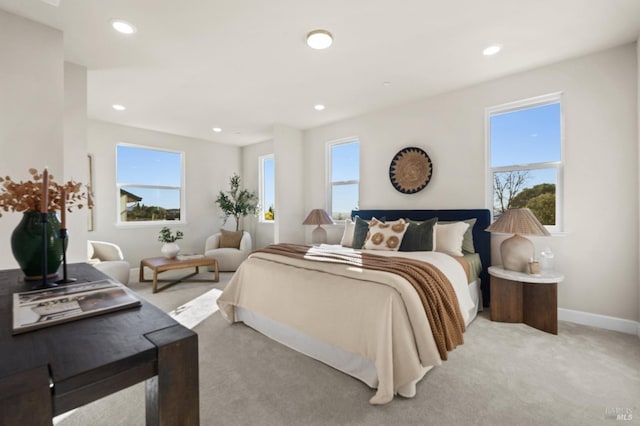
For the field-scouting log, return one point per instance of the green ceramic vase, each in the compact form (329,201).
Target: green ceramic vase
(26,245)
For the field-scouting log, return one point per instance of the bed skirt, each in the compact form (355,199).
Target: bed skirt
(351,364)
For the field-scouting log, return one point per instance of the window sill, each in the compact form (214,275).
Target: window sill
(130,225)
(337,223)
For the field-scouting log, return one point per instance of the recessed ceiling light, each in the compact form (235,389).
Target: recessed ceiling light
(318,107)
(217,129)
(491,50)
(118,107)
(319,39)
(123,27)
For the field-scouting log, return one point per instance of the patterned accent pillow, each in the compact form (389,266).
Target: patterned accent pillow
(360,230)
(385,236)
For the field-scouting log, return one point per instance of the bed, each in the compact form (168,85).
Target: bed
(367,323)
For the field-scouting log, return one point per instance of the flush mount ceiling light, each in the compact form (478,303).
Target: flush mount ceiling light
(118,107)
(319,39)
(318,107)
(123,27)
(217,129)
(491,50)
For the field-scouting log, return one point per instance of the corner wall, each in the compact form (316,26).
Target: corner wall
(288,152)
(31,109)
(262,232)
(638,107)
(76,165)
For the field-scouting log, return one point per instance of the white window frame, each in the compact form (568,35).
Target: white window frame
(181,188)
(263,207)
(551,98)
(328,172)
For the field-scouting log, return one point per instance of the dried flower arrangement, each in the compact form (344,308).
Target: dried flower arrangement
(26,196)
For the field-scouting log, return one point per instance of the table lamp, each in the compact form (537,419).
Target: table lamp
(517,251)
(318,217)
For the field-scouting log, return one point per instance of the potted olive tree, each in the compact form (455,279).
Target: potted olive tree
(237,202)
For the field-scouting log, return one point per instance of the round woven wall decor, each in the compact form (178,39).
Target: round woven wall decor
(410,170)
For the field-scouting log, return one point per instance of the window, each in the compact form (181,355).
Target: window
(149,184)
(525,144)
(344,178)
(267,188)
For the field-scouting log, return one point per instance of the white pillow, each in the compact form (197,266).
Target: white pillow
(385,235)
(449,237)
(347,236)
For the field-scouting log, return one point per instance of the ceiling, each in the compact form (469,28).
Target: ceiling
(243,65)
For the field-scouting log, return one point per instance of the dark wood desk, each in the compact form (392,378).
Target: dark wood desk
(46,372)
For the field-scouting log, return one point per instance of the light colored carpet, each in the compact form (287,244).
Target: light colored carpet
(504,374)
(177,294)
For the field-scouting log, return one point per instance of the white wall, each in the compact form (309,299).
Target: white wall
(262,232)
(289,175)
(31,108)
(75,154)
(208,168)
(599,253)
(638,99)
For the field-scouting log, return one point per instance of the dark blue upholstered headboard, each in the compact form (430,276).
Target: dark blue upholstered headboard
(481,238)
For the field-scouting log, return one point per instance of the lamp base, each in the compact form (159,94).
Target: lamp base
(516,252)
(318,235)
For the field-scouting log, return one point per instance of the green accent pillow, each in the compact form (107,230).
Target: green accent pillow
(419,236)
(361,228)
(467,238)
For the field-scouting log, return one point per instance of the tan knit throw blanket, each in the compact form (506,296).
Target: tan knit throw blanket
(434,288)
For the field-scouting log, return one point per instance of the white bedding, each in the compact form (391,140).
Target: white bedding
(348,317)
(447,264)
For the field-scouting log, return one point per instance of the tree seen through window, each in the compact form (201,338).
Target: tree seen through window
(525,157)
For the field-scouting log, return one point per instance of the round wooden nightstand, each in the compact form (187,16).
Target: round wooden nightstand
(530,299)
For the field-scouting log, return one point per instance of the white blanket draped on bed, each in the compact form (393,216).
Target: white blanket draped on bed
(373,314)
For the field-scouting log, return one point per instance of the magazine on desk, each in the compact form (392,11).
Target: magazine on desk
(42,308)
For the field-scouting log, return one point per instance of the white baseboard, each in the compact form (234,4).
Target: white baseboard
(600,321)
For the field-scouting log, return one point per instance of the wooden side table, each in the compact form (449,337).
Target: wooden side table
(530,299)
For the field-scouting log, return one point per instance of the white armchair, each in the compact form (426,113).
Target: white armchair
(108,258)
(228,258)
